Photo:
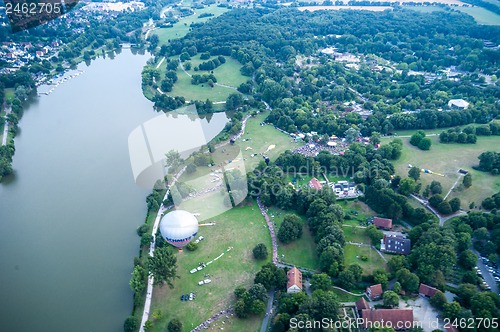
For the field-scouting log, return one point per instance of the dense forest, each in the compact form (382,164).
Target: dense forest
(312,96)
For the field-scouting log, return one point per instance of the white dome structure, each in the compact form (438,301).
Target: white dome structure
(178,227)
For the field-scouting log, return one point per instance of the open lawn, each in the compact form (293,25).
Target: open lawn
(354,253)
(181,28)
(370,8)
(259,139)
(302,252)
(227,73)
(356,234)
(447,159)
(356,212)
(184,88)
(481,15)
(345,297)
(425,9)
(9,94)
(241,229)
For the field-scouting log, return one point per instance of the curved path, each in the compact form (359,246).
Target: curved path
(271,230)
(147,304)
(6,126)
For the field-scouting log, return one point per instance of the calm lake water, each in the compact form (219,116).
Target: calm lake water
(68,217)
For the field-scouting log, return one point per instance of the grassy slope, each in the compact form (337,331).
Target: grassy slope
(241,228)
(353,252)
(481,15)
(302,252)
(181,28)
(447,159)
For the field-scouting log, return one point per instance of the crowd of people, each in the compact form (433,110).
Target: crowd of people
(312,150)
(206,324)
(263,210)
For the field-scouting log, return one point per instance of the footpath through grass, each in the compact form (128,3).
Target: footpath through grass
(301,252)
(240,228)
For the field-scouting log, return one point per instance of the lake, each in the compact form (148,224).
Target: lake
(68,217)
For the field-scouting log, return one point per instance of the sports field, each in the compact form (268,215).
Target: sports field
(447,159)
(241,229)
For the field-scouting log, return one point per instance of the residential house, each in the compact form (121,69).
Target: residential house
(294,281)
(361,304)
(427,291)
(382,223)
(314,183)
(396,244)
(374,292)
(399,319)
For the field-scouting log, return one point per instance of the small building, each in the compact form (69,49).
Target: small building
(426,290)
(396,244)
(361,304)
(294,281)
(314,184)
(458,104)
(374,292)
(399,319)
(384,223)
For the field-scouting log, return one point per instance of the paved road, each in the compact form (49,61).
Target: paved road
(434,211)
(486,274)
(265,322)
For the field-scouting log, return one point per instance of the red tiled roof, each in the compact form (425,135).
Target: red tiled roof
(399,319)
(427,290)
(362,304)
(382,222)
(314,183)
(294,277)
(374,291)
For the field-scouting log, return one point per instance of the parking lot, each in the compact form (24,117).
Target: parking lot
(489,272)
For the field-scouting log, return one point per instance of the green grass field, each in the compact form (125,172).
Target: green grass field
(9,94)
(353,253)
(260,138)
(227,74)
(241,228)
(181,28)
(447,159)
(302,252)
(425,9)
(345,297)
(355,234)
(357,212)
(481,15)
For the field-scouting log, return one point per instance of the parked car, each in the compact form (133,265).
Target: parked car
(191,296)
(182,297)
